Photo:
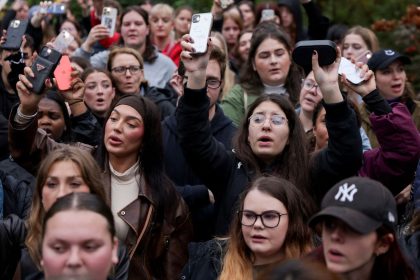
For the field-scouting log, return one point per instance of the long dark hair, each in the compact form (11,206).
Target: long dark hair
(251,81)
(149,51)
(292,162)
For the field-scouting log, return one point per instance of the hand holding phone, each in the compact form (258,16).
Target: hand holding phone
(15,32)
(200,30)
(43,68)
(350,70)
(109,19)
(62,73)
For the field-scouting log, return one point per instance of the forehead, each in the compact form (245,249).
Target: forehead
(50,105)
(64,167)
(126,110)
(246,36)
(97,76)
(184,13)
(259,201)
(132,16)
(123,59)
(354,38)
(268,107)
(270,44)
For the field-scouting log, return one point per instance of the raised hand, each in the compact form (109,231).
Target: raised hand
(365,87)
(195,65)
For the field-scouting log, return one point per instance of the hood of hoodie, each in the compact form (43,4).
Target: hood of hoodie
(294,7)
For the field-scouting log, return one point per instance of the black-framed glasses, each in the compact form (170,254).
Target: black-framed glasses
(269,219)
(258,119)
(309,84)
(134,69)
(213,83)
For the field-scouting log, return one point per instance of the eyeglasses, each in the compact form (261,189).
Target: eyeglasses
(259,119)
(134,69)
(270,219)
(213,83)
(308,84)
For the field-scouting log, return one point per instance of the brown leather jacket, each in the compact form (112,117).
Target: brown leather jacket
(157,250)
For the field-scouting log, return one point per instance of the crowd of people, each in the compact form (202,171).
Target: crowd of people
(158,162)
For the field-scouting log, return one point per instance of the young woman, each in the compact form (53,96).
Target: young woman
(151,218)
(270,140)
(310,96)
(393,86)
(99,92)
(248,14)
(161,28)
(232,26)
(269,227)
(357,220)
(78,238)
(269,69)
(182,21)
(359,43)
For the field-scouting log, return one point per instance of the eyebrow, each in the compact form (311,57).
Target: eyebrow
(128,116)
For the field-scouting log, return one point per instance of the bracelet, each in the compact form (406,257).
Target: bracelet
(26,117)
(75,101)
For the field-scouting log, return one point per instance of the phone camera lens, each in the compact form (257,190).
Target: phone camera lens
(196,18)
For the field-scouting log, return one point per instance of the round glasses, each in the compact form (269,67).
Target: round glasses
(309,84)
(269,219)
(259,119)
(134,69)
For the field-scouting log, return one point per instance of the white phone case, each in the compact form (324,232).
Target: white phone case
(200,30)
(350,70)
(109,19)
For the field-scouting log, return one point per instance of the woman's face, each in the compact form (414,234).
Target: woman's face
(391,80)
(99,92)
(182,22)
(244,45)
(51,118)
(127,82)
(64,177)
(230,31)
(310,94)
(78,244)
(161,24)
(134,30)
(124,131)
(286,17)
(345,250)
(247,15)
(354,46)
(272,62)
(266,243)
(320,130)
(266,139)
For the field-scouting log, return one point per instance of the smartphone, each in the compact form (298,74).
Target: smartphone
(43,67)
(350,70)
(267,14)
(56,9)
(109,19)
(63,41)
(200,30)
(302,53)
(15,31)
(62,73)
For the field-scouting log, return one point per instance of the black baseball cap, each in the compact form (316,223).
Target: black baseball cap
(383,58)
(362,203)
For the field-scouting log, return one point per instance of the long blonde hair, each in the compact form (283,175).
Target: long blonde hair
(238,260)
(90,173)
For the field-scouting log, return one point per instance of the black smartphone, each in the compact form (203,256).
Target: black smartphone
(43,68)
(326,49)
(15,31)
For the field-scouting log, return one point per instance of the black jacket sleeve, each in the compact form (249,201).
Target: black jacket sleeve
(12,238)
(86,129)
(342,157)
(317,23)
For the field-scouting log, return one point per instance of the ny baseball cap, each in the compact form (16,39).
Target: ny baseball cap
(362,203)
(383,58)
